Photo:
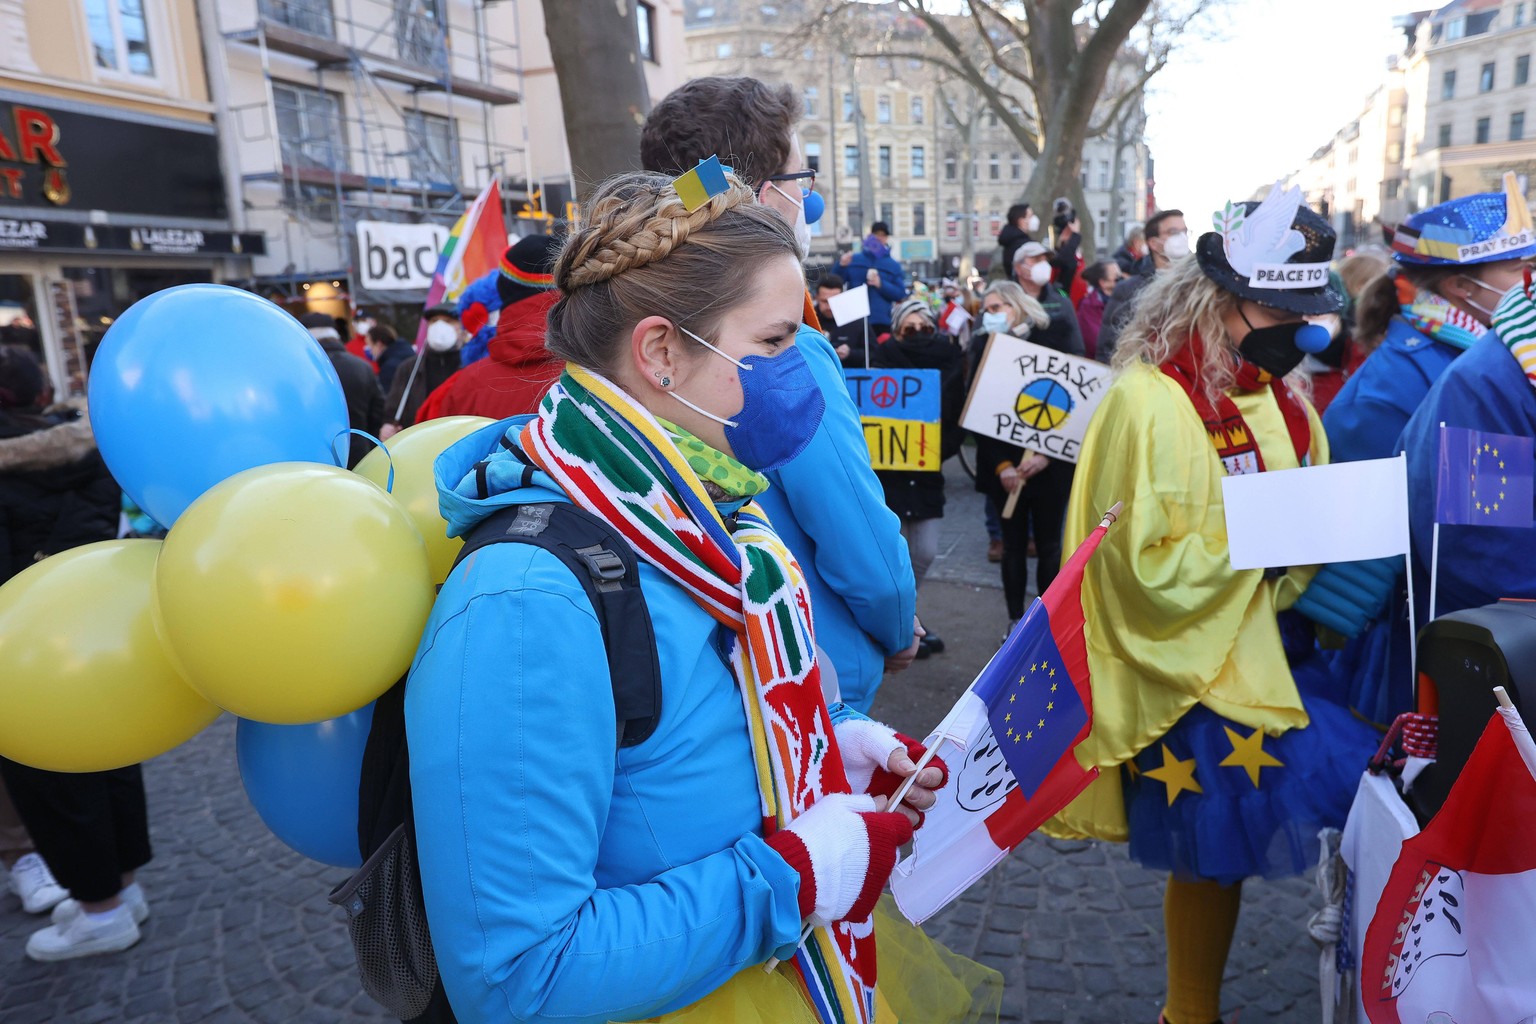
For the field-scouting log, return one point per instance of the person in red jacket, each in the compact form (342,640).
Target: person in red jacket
(520,369)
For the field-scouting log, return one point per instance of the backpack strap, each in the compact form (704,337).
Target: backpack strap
(606,566)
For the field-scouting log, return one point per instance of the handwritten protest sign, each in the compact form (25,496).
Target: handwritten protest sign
(900,413)
(1034,397)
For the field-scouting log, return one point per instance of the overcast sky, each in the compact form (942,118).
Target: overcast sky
(1233,112)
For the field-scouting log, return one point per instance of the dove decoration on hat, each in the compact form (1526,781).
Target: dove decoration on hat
(1480,228)
(1275,253)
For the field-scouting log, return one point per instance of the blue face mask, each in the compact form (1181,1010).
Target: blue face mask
(781,409)
(995,323)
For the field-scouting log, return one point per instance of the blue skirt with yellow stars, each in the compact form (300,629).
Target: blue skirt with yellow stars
(1220,801)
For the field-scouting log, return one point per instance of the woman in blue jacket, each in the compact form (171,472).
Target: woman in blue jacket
(1437,300)
(566,881)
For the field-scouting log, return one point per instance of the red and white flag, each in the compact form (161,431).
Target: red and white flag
(1453,935)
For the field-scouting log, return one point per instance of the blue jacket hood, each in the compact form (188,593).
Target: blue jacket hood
(467,494)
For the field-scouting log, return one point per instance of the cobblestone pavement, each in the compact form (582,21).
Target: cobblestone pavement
(240,930)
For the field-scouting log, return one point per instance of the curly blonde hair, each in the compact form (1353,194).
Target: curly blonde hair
(643,253)
(1177,304)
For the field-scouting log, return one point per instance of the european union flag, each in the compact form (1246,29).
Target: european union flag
(1033,705)
(1485,478)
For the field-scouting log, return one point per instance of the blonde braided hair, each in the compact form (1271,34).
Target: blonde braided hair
(643,254)
(625,232)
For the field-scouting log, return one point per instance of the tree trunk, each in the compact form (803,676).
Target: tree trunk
(602,85)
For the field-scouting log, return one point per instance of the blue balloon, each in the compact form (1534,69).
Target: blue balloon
(302,780)
(199,382)
(1313,338)
(815,206)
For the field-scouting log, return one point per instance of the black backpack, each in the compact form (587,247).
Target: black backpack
(383,901)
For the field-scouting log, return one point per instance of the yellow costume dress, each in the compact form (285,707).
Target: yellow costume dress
(1220,755)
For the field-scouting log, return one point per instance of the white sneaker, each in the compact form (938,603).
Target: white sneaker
(35,884)
(133,899)
(85,935)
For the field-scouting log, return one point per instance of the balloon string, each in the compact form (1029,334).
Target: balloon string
(389,482)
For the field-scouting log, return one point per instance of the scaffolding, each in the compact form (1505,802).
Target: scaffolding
(340,133)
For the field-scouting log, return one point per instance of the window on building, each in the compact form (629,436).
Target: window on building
(1103,174)
(420,32)
(883,109)
(1393,187)
(769,12)
(811,96)
(1485,80)
(313,16)
(1016,166)
(1103,223)
(888,214)
(884,164)
(808,54)
(1445,135)
(722,51)
(1083,174)
(1456,29)
(765,49)
(813,156)
(1519,14)
(309,127)
(433,146)
(951,165)
(1482,129)
(847,106)
(991,119)
(1395,117)
(1395,153)
(850,159)
(645,15)
(1522,69)
(1517,126)
(120,36)
(994,167)
(918,112)
(856,220)
(919,219)
(919,161)
(1448,85)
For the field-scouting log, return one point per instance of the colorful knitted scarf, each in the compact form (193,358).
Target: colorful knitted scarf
(612,458)
(1515,319)
(1224,424)
(1431,315)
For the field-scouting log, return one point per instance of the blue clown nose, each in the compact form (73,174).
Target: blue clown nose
(1312,338)
(815,206)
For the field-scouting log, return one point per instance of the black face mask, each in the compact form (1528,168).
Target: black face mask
(1275,348)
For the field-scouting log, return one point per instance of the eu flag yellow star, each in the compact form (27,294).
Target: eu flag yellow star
(1175,774)
(1249,754)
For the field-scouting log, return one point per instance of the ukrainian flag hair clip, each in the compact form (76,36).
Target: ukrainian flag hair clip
(700,185)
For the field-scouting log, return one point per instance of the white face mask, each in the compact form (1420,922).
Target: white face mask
(1032,224)
(1176,247)
(1040,273)
(802,229)
(362,327)
(1487,314)
(441,336)
(996,323)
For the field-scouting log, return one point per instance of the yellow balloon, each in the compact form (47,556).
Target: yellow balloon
(86,683)
(293,592)
(414,450)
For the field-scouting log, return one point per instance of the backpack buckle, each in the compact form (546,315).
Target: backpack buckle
(604,564)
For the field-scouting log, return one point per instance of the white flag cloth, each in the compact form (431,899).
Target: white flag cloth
(850,305)
(1340,513)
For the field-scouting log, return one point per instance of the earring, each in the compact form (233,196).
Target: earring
(666,382)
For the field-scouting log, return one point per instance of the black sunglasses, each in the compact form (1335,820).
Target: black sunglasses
(796,176)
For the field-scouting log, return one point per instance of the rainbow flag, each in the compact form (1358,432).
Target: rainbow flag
(474,248)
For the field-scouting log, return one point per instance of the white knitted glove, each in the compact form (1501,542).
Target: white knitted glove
(844,850)
(866,748)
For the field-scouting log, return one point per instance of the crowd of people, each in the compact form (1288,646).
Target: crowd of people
(669,368)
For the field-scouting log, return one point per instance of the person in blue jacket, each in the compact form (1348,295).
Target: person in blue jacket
(826,504)
(873,265)
(565,880)
(1486,389)
(1436,300)
(1451,265)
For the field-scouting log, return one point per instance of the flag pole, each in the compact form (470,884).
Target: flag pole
(866,341)
(1413,633)
(1434,544)
(1517,730)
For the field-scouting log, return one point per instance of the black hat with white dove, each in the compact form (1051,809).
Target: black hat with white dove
(1275,253)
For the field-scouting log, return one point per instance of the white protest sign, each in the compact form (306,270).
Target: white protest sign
(1319,514)
(1035,397)
(398,257)
(850,305)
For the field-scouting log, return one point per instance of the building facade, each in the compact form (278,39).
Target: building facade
(1448,119)
(111,177)
(941,168)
